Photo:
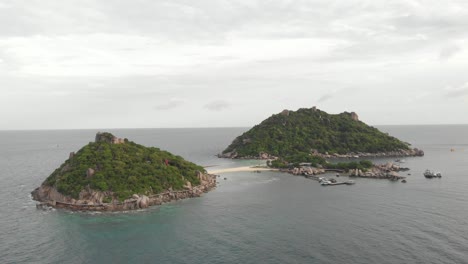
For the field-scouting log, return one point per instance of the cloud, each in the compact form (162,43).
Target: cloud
(325,97)
(174,37)
(449,51)
(331,94)
(457,92)
(217,105)
(289,53)
(171,104)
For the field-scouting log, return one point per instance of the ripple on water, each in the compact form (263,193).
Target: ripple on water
(263,217)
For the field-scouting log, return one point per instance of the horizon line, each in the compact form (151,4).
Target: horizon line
(123,128)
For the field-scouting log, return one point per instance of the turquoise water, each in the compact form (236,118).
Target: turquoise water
(250,218)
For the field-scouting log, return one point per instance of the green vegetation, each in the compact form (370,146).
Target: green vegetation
(299,133)
(123,169)
(316,161)
(295,160)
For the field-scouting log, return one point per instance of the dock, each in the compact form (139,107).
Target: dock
(325,182)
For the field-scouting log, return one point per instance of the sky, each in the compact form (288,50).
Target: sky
(215,63)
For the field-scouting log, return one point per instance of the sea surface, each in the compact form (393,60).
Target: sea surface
(266,217)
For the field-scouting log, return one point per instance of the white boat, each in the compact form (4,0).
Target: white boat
(325,183)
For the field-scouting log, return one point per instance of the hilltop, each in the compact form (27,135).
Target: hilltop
(123,175)
(309,135)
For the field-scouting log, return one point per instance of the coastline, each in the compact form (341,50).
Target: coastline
(415,152)
(49,197)
(388,171)
(241,169)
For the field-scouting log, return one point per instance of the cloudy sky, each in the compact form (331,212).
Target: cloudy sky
(216,63)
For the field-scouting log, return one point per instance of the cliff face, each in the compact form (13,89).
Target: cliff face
(106,173)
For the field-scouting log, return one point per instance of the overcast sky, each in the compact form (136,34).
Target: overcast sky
(216,63)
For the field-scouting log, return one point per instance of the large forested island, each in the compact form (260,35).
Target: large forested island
(312,135)
(117,174)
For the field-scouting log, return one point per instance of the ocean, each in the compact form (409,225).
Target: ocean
(266,217)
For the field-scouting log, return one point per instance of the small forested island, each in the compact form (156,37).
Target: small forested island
(311,137)
(117,174)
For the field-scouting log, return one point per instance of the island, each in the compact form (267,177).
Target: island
(112,174)
(307,140)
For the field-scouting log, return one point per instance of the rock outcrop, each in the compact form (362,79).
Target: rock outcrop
(382,171)
(354,116)
(109,138)
(304,170)
(90,172)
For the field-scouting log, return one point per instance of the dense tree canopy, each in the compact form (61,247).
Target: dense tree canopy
(123,169)
(308,130)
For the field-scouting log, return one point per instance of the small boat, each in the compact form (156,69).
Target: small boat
(324,181)
(350,182)
(430,174)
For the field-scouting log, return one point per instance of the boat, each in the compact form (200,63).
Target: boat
(324,181)
(332,182)
(430,174)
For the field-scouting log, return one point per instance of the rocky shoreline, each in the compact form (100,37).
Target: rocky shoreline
(415,152)
(234,155)
(90,200)
(398,153)
(306,171)
(381,171)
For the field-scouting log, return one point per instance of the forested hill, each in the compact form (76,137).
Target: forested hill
(308,131)
(121,168)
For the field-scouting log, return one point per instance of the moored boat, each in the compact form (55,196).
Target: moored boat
(432,174)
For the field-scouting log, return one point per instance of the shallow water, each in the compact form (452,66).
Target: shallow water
(263,217)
